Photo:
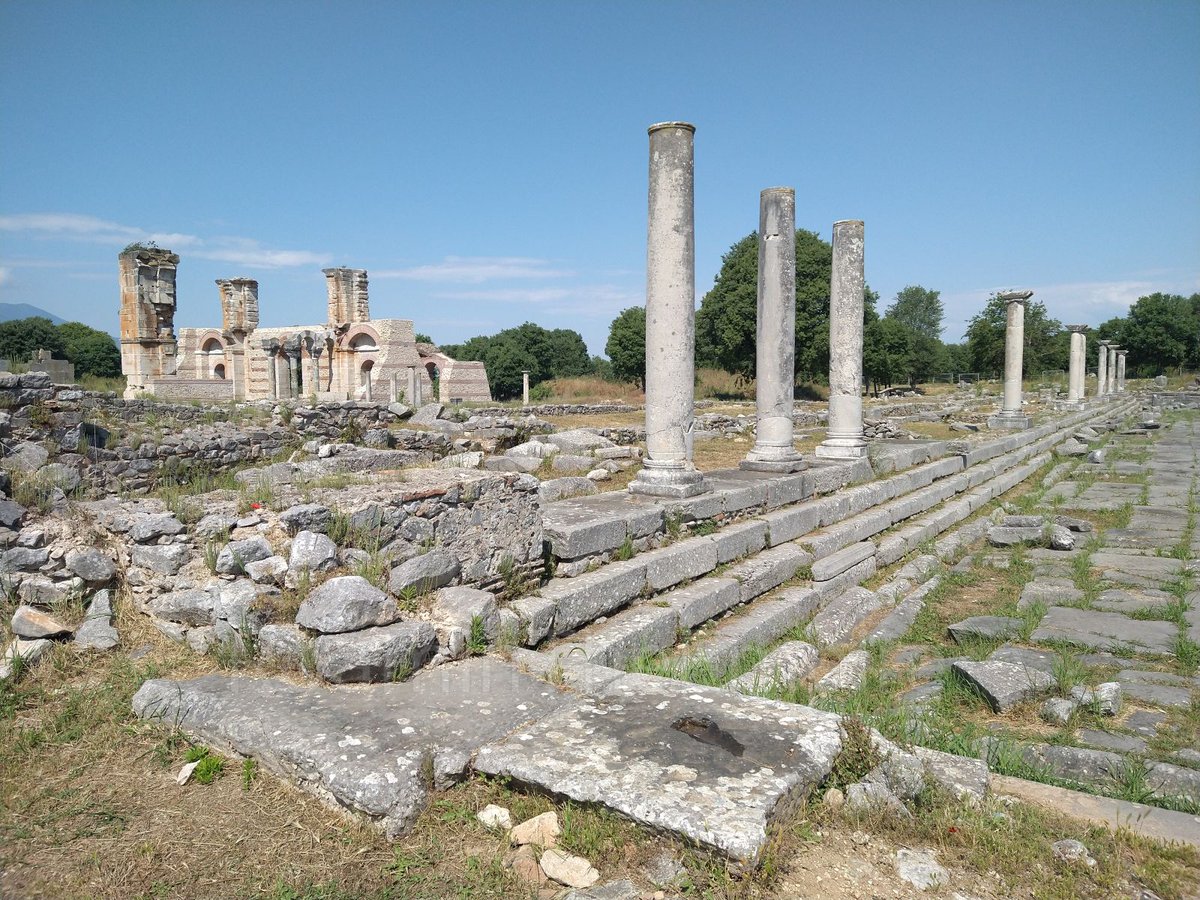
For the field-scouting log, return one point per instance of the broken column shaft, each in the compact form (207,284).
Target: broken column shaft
(670,317)
(1111,387)
(1102,370)
(844,438)
(775,359)
(1121,371)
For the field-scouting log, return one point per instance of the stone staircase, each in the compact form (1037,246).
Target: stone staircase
(748,583)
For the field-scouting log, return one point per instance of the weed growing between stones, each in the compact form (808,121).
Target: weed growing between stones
(625,551)
(249,773)
(858,755)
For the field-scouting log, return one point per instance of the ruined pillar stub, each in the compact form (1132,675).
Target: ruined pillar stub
(844,437)
(1010,415)
(1113,350)
(148,346)
(775,355)
(1102,369)
(1078,360)
(239,305)
(347,290)
(668,470)
(1121,371)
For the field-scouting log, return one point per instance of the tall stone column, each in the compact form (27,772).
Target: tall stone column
(1102,369)
(525,388)
(1078,361)
(668,470)
(1121,371)
(1112,369)
(775,360)
(844,436)
(1010,415)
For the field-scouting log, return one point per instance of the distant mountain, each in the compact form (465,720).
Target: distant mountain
(10,311)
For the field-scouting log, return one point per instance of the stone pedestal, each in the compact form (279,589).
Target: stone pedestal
(1010,415)
(844,437)
(1078,362)
(1121,371)
(775,360)
(1102,369)
(670,318)
(1111,388)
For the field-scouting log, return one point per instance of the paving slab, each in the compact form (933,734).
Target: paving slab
(984,628)
(711,765)
(1105,631)
(363,748)
(1001,684)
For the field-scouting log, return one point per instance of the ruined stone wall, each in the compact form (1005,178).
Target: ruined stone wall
(176,388)
(147,316)
(347,290)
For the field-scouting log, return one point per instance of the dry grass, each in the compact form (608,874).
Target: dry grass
(589,389)
(598,420)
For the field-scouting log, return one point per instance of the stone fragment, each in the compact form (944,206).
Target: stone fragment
(984,628)
(1003,685)
(1105,699)
(311,552)
(920,869)
(147,528)
(285,646)
(21,653)
(1072,851)
(1002,536)
(902,773)
(11,513)
(541,831)
(387,653)
(96,631)
(1071,447)
(23,559)
(1104,740)
(524,865)
(235,555)
(90,565)
(1105,631)
(664,870)
(1058,710)
(781,668)
(346,603)
(424,573)
(163,559)
(427,415)
(495,817)
(30,623)
(192,607)
(565,868)
(306,517)
(872,797)
(962,777)
(1061,538)
(1082,526)
(599,475)
(267,571)
(847,675)
(214,526)
(555,489)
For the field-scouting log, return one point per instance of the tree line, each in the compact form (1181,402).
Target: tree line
(92,352)
(903,345)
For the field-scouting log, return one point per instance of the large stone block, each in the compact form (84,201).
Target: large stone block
(388,653)
(683,561)
(578,601)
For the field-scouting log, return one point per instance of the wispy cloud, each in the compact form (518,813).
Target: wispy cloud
(477,269)
(244,252)
(585,300)
(5,275)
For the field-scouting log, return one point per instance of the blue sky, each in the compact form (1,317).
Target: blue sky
(486,162)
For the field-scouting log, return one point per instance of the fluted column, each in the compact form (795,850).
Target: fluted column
(668,470)
(1010,415)
(844,437)
(775,355)
(1121,371)
(1078,361)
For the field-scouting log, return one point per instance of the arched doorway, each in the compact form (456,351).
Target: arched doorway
(435,378)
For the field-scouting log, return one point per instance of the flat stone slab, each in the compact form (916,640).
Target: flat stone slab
(712,765)
(1105,631)
(1050,592)
(835,623)
(984,628)
(1003,685)
(362,748)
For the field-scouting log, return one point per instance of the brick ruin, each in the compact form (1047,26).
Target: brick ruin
(349,357)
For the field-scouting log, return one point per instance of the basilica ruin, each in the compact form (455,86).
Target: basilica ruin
(349,357)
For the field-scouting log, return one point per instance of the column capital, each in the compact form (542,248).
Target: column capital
(1103,343)
(1014,296)
(659,126)
(1121,351)
(1077,329)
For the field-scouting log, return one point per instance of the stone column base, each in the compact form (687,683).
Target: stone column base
(1002,422)
(841,448)
(773,459)
(675,481)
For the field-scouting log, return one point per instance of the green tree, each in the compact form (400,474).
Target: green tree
(920,311)
(19,338)
(626,346)
(545,354)
(506,362)
(726,322)
(1163,331)
(92,351)
(887,352)
(422,338)
(568,354)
